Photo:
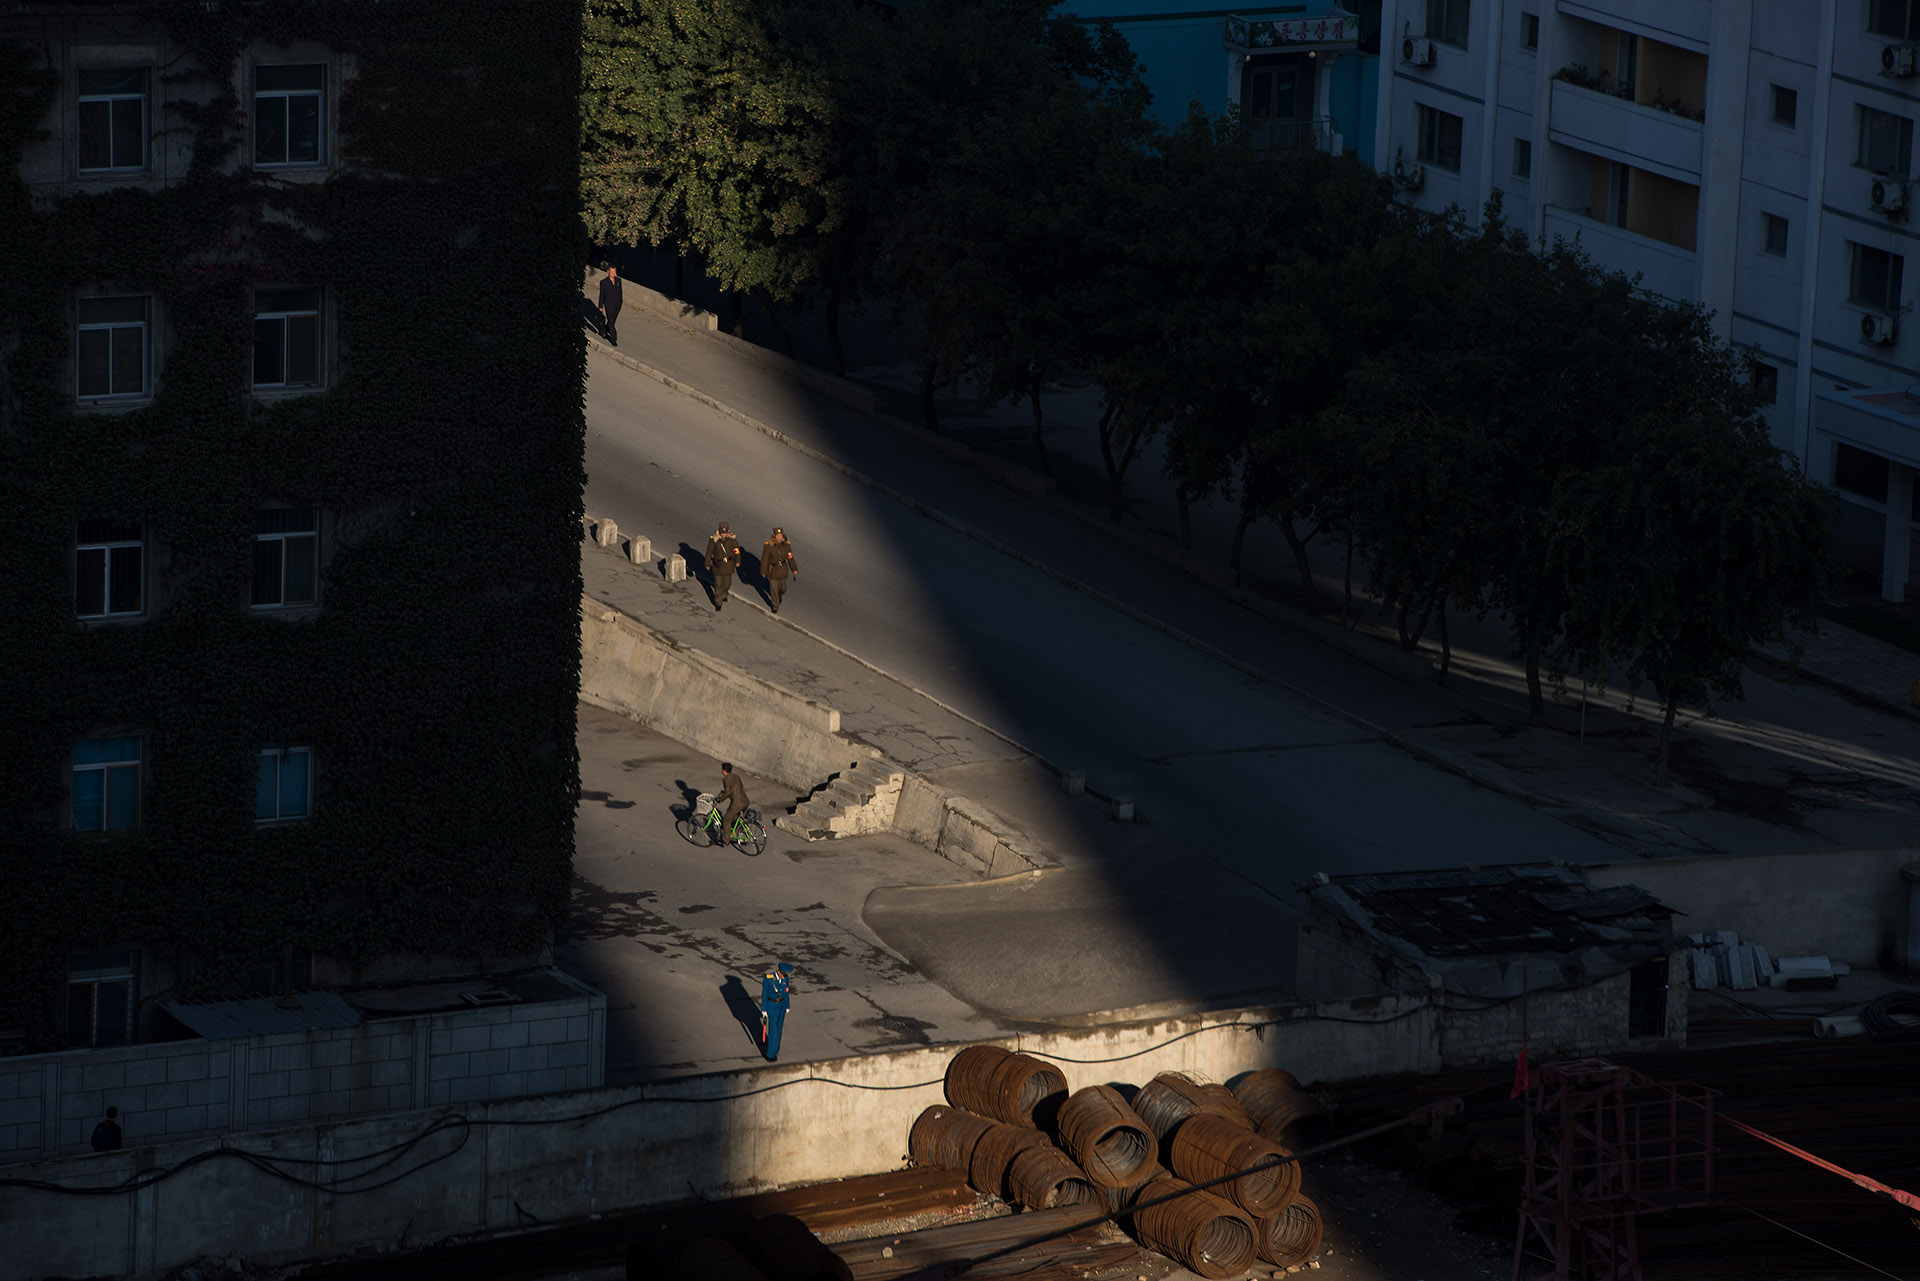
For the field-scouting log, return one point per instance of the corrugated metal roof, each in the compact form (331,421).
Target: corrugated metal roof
(264,1015)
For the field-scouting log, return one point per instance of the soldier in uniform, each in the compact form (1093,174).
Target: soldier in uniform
(777,563)
(723,557)
(776,991)
(734,793)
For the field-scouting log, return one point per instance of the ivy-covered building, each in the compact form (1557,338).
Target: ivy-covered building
(291,453)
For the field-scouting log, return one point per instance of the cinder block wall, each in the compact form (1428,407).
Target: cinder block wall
(49,1103)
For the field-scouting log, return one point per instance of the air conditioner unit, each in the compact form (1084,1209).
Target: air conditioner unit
(1887,197)
(1409,173)
(1422,53)
(1877,328)
(1898,59)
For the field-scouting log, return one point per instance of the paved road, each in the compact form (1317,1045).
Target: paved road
(1271,784)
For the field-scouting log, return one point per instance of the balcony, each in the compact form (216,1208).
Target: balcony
(1662,268)
(1290,135)
(1649,138)
(1689,25)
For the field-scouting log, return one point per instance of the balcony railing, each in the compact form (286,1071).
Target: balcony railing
(1623,130)
(1665,269)
(1289,135)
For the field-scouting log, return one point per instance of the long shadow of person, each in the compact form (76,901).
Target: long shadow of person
(742,1005)
(689,797)
(590,317)
(751,575)
(697,570)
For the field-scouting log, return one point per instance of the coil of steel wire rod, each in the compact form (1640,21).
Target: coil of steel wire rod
(944,1137)
(711,1259)
(1198,1231)
(994,1153)
(1292,1236)
(1108,1139)
(1016,1089)
(786,1250)
(1211,1147)
(1170,1098)
(1280,1109)
(1120,1198)
(1042,1176)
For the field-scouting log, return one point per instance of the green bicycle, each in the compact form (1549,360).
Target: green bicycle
(702,827)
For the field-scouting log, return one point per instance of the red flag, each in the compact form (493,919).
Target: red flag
(1520,1078)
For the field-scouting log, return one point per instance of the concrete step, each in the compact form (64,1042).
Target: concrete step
(860,800)
(809,822)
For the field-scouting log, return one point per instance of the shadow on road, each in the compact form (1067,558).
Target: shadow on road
(743,1007)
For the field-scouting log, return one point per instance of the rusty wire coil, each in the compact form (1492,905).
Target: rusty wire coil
(1208,1147)
(1292,1236)
(1199,1231)
(1170,1098)
(1041,1177)
(1108,1139)
(787,1250)
(1281,1110)
(711,1259)
(944,1137)
(1120,1198)
(993,1154)
(1017,1089)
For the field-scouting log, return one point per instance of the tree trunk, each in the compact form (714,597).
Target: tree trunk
(1183,504)
(679,277)
(1536,701)
(1446,645)
(1308,589)
(1410,641)
(833,333)
(1346,601)
(1660,776)
(736,322)
(1116,493)
(928,409)
(1039,440)
(1239,541)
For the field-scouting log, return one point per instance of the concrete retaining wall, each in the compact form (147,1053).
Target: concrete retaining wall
(964,831)
(49,1103)
(529,1160)
(1847,904)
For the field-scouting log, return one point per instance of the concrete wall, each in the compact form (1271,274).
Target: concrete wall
(530,1159)
(49,1103)
(1847,904)
(964,831)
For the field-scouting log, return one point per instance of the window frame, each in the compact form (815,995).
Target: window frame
(1768,222)
(283,315)
(1428,125)
(1779,95)
(133,770)
(1764,378)
(1441,20)
(83,99)
(281,755)
(1523,159)
(1891,280)
(95,977)
(108,546)
(112,328)
(1529,31)
(284,537)
(287,96)
(1910,29)
(1865,118)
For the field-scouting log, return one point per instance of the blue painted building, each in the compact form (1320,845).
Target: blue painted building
(1294,75)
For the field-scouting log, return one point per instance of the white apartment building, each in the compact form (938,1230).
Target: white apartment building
(1752,155)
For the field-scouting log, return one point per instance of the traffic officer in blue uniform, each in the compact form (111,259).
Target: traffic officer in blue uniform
(776,991)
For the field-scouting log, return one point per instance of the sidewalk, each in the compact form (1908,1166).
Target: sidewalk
(1739,777)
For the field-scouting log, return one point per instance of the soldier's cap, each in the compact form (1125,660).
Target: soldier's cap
(785,967)
(777,531)
(724,529)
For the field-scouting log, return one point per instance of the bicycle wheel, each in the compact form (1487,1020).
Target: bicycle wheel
(749,837)
(692,829)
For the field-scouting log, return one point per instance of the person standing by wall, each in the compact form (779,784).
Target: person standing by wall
(776,994)
(106,1135)
(610,300)
(723,557)
(778,564)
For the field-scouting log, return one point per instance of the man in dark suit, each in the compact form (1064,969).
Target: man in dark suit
(610,303)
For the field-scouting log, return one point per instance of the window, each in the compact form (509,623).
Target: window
(1440,139)
(286,557)
(1522,157)
(286,338)
(1529,31)
(1647,998)
(285,789)
(1619,192)
(1786,105)
(1859,472)
(1765,379)
(111,347)
(288,110)
(1447,21)
(1776,231)
(100,998)
(1875,277)
(113,120)
(1894,18)
(1886,142)
(108,569)
(106,784)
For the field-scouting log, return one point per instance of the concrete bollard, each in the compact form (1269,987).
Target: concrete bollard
(607,534)
(1122,809)
(640,551)
(1073,781)
(676,568)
